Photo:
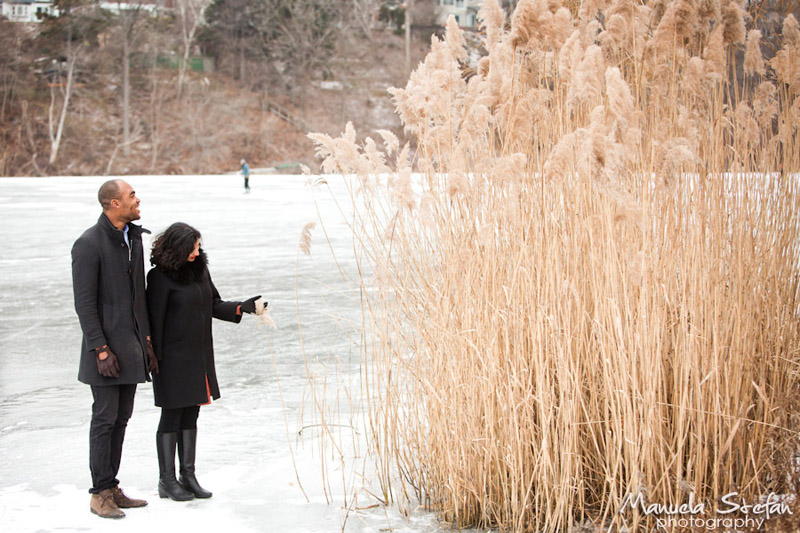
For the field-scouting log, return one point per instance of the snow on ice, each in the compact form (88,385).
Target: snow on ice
(243,445)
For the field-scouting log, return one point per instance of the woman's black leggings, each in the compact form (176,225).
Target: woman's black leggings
(174,420)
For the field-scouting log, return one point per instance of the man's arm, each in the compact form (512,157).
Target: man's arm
(85,278)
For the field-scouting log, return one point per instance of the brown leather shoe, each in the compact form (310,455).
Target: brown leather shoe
(123,502)
(103,505)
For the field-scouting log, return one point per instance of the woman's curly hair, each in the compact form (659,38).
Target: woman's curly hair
(171,249)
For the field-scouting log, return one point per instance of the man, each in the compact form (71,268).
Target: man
(246,174)
(108,282)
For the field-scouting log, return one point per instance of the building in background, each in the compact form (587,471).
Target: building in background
(27,10)
(465,12)
(152,7)
(37,10)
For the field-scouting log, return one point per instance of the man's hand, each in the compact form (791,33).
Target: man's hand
(107,364)
(152,360)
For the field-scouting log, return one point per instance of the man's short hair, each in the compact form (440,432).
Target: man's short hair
(108,191)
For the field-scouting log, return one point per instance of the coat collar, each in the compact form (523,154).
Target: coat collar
(133,229)
(190,272)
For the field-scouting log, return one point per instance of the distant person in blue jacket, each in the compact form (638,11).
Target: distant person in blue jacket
(246,174)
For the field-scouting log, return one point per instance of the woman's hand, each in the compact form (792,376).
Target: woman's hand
(249,305)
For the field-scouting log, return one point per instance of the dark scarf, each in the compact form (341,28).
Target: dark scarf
(190,271)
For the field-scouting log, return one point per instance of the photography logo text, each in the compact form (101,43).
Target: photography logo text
(732,512)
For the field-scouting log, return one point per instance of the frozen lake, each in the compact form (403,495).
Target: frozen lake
(243,451)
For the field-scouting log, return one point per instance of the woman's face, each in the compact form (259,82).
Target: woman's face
(195,252)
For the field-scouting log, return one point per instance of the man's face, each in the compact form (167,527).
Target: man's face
(127,203)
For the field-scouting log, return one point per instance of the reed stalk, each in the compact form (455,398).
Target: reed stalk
(590,289)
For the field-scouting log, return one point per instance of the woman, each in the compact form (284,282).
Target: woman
(181,300)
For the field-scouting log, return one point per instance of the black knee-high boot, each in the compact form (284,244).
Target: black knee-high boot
(187,449)
(168,486)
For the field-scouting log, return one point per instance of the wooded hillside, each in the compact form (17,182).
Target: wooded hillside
(195,85)
(97,92)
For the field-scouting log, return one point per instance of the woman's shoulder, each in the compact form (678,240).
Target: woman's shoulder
(157,274)
(186,275)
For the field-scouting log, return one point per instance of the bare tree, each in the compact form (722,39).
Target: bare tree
(306,38)
(294,38)
(364,14)
(11,48)
(156,40)
(239,30)
(127,19)
(67,40)
(15,73)
(408,22)
(57,131)
(191,19)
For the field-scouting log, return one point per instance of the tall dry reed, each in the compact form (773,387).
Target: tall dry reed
(591,291)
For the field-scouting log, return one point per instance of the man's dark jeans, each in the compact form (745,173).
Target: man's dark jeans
(111,410)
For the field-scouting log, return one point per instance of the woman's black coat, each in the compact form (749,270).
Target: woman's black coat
(181,304)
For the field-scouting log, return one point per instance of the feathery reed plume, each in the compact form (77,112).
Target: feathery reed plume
(624,9)
(507,168)
(559,28)
(785,61)
(454,38)
(403,194)
(627,23)
(491,19)
(753,59)
(695,80)
(262,311)
(560,163)
(708,12)
(675,157)
(765,104)
(340,154)
(390,141)
(588,84)
(305,238)
(375,158)
(589,8)
(714,54)
(791,32)
(539,24)
(525,21)
(570,55)
(657,10)
(678,25)
(620,99)
(733,20)
(747,129)
(616,32)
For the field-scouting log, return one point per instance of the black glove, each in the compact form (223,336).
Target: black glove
(249,305)
(152,360)
(108,367)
